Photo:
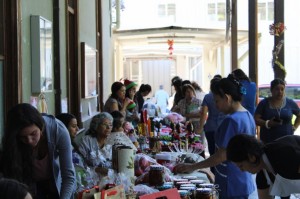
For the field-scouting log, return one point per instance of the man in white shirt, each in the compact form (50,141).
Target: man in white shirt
(162,97)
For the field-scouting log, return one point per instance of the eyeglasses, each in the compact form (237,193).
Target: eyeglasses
(108,126)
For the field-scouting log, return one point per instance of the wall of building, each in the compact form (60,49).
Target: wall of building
(108,50)
(43,8)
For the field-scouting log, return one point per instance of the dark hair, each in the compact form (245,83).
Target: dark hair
(145,88)
(65,118)
(184,82)
(276,82)
(217,76)
(176,81)
(241,146)
(176,78)
(240,75)
(118,116)
(17,156)
(188,86)
(230,86)
(196,86)
(115,87)
(214,82)
(10,188)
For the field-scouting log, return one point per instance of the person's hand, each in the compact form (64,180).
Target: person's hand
(127,101)
(275,122)
(183,168)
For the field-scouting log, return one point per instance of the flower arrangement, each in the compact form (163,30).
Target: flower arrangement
(277,29)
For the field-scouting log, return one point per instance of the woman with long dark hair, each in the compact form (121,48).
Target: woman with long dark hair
(232,182)
(117,100)
(37,152)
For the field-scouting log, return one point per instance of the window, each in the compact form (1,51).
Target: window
(217,11)
(221,11)
(265,11)
(167,11)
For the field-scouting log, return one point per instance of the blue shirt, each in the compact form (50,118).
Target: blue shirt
(249,100)
(232,181)
(267,112)
(215,117)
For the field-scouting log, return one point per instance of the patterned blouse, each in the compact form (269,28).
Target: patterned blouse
(93,154)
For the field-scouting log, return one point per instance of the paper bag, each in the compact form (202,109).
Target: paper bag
(89,193)
(113,193)
(167,194)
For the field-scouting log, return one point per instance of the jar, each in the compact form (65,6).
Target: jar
(190,177)
(178,184)
(184,194)
(156,177)
(164,187)
(204,193)
(197,182)
(206,185)
(188,185)
(191,191)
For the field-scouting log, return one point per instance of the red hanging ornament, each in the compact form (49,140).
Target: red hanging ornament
(170,44)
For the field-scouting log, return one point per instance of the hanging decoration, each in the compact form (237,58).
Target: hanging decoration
(42,103)
(170,44)
(277,30)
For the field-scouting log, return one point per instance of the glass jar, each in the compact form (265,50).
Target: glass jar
(156,175)
(184,194)
(204,193)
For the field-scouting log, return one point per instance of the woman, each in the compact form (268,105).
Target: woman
(176,82)
(210,118)
(232,182)
(93,145)
(37,152)
(200,94)
(10,188)
(143,91)
(274,114)
(189,107)
(117,100)
(117,135)
(131,113)
(249,98)
(278,161)
(70,122)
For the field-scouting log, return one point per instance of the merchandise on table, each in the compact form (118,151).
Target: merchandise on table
(157,175)
(204,193)
(184,194)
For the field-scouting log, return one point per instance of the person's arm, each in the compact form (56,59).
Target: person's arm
(204,111)
(215,159)
(297,122)
(63,144)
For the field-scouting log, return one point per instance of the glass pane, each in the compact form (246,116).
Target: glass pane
(161,10)
(261,11)
(271,11)
(221,11)
(211,8)
(171,9)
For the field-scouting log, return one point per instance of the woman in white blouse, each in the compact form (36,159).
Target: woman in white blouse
(93,147)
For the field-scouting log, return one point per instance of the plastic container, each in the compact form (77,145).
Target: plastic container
(163,158)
